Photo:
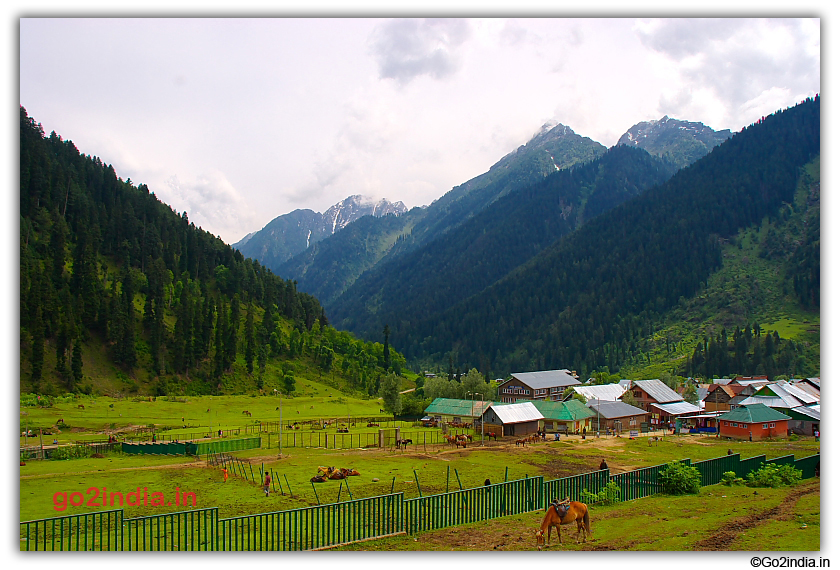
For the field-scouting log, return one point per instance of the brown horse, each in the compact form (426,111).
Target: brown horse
(577,513)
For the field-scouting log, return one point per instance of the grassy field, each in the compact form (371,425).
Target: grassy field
(412,472)
(719,518)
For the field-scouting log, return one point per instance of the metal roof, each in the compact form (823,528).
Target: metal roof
(810,388)
(657,390)
(804,396)
(810,411)
(753,413)
(601,392)
(546,379)
(779,390)
(564,411)
(517,413)
(453,407)
(610,409)
(786,401)
(677,408)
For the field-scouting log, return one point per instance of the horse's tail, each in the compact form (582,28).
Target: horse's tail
(586,521)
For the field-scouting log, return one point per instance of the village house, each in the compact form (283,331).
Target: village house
(753,422)
(601,391)
(450,410)
(544,385)
(723,397)
(512,419)
(565,417)
(616,416)
(663,404)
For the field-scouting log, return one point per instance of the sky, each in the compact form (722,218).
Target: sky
(239,120)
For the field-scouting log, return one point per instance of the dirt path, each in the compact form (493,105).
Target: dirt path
(732,530)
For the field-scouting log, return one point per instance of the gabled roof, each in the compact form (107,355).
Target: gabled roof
(812,412)
(611,410)
(517,413)
(753,413)
(782,391)
(546,379)
(809,388)
(572,410)
(453,407)
(805,396)
(677,408)
(601,392)
(657,390)
(785,402)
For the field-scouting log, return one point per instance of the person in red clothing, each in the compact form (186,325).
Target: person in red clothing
(267,483)
(225,473)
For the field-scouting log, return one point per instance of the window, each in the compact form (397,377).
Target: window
(763,426)
(773,424)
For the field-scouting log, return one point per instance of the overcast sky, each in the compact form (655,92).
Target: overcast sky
(238,121)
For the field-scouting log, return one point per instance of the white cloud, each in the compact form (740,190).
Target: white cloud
(408,48)
(212,203)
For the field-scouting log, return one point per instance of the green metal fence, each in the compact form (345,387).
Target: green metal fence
(355,520)
(473,505)
(712,470)
(185,530)
(100,530)
(315,527)
(574,486)
(808,465)
(190,448)
(641,483)
(745,466)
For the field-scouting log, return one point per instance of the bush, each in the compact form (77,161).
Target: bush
(680,479)
(729,479)
(609,495)
(771,475)
(71,452)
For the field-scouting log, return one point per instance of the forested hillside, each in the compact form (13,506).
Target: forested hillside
(516,227)
(120,293)
(589,300)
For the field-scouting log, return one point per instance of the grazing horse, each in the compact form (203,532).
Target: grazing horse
(560,514)
(493,435)
(81,406)
(522,442)
(247,413)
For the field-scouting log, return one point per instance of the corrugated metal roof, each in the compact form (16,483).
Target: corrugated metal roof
(806,387)
(778,391)
(453,407)
(572,410)
(753,413)
(611,410)
(807,398)
(769,401)
(657,390)
(810,411)
(546,378)
(601,392)
(517,413)
(677,408)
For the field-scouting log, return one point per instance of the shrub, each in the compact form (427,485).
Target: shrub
(680,479)
(71,452)
(609,495)
(771,475)
(729,479)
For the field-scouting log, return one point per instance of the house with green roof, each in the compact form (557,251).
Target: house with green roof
(451,410)
(572,416)
(753,422)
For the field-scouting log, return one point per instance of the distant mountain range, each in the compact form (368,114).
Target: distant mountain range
(290,234)
(307,247)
